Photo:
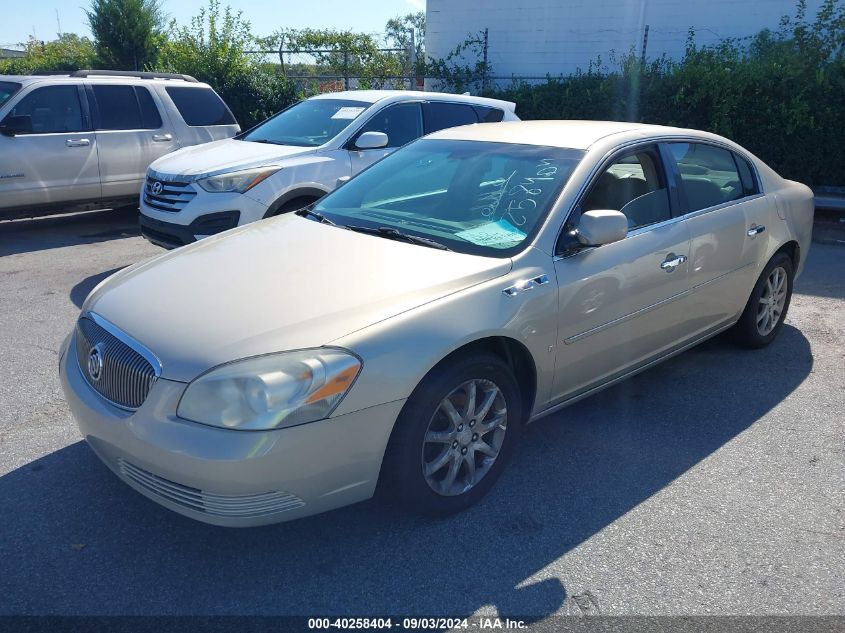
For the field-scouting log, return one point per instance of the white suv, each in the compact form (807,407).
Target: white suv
(293,158)
(84,140)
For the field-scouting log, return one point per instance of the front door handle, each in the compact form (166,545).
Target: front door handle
(161,138)
(755,230)
(77,142)
(672,261)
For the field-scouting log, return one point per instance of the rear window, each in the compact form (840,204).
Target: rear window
(126,108)
(200,106)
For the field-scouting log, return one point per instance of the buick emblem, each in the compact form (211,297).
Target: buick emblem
(95,363)
(157,188)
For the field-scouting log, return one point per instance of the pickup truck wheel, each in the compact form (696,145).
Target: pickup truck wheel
(453,437)
(766,309)
(290,206)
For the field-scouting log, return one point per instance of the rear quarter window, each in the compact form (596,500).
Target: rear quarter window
(200,107)
(439,115)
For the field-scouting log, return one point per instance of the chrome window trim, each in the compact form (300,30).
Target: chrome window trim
(624,148)
(124,338)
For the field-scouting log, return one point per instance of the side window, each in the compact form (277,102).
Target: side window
(150,117)
(51,109)
(746,176)
(200,106)
(401,122)
(439,116)
(118,108)
(487,114)
(709,174)
(635,186)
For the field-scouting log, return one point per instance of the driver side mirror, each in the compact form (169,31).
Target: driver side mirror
(371,140)
(601,227)
(13,125)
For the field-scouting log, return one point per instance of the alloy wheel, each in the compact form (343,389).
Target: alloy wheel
(464,437)
(772,301)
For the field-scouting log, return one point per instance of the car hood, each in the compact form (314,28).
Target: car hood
(217,157)
(280,284)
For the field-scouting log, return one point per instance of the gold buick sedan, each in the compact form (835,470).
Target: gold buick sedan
(397,335)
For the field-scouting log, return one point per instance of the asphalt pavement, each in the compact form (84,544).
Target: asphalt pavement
(711,484)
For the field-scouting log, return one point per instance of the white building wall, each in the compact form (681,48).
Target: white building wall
(535,38)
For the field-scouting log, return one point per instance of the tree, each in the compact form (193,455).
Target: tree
(68,52)
(398,33)
(127,33)
(215,48)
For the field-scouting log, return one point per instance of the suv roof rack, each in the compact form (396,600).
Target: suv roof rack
(119,73)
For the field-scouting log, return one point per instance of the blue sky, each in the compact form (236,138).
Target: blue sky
(266,16)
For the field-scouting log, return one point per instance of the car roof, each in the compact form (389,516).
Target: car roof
(568,134)
(51,78)
(374,96)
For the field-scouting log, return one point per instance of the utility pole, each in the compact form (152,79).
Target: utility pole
(412,56)
(484,76)
(645,45)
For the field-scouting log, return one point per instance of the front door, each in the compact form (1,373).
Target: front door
(54,161)
(402,122)
(621,304)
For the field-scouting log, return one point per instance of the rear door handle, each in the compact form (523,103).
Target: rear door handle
(77,142)
(672,262)
(755,230)
(161,138)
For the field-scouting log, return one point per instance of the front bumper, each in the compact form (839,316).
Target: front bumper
(172,235)
(203,214)
(225,477)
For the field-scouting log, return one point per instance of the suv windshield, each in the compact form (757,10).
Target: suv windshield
(472,196)
(308,123)
(7,89)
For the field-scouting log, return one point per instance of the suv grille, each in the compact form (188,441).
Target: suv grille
(116,371)
(173,196)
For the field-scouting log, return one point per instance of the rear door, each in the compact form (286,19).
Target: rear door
(54,162)
(131,134)
(725,212)
(402,122)
(439,115)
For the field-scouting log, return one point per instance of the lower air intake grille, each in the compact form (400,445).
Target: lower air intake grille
(232,506)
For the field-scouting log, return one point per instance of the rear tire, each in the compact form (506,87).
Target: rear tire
(765,312)
(441,459)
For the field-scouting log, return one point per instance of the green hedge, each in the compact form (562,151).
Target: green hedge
(781,94)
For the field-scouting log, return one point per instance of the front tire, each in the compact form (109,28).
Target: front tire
(768,304)
(453,437)
(290,206)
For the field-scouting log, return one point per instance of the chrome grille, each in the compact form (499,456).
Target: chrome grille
(124,376)
(233,506)
(172,197)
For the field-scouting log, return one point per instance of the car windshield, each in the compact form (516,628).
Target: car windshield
(7,89)
(473,197)
(308,123)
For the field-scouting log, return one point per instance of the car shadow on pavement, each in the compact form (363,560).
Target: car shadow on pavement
(75,540)
(38,234)
(81,290)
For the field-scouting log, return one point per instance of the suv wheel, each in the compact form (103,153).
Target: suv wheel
(290,206)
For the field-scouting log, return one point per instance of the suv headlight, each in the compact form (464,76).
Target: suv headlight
(271,392)
(237,181)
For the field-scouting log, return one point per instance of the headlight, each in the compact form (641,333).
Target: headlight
(237,181)
(271,392)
